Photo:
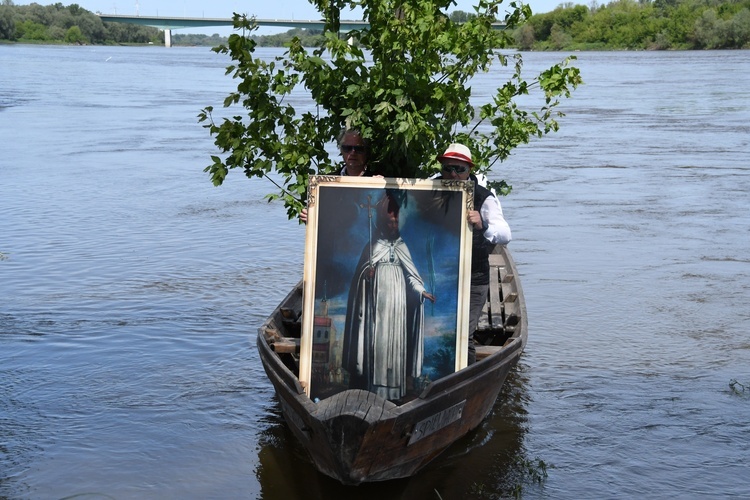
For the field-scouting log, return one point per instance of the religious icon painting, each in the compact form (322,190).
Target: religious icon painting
(386,285)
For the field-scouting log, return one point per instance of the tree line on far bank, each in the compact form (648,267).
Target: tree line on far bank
(73,24)
(618,25)
(644,24)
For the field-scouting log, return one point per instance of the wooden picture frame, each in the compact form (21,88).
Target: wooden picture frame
(373,248)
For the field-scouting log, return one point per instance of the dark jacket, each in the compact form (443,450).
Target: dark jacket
(480,247)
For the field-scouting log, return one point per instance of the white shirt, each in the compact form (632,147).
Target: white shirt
(498,230)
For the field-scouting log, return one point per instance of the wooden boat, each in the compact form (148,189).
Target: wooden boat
(356,436)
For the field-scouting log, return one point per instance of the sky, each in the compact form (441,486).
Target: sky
(277,9)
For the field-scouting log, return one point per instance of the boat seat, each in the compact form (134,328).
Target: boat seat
(495,299)
(287,345)
(500,313)
(484,351)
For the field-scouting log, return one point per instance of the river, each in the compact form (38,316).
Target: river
(131,289)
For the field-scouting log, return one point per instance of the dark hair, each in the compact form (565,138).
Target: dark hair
(345,131)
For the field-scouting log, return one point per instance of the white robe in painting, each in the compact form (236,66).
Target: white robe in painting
(384,338)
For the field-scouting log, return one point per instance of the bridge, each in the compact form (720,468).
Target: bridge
(171,23)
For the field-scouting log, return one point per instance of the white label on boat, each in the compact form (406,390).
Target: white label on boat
(436,422)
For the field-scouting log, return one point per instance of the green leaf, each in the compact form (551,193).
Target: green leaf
(405,83)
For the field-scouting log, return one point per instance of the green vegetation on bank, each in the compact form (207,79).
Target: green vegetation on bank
(308,38)
(73,24)
(630,24)
(618,25)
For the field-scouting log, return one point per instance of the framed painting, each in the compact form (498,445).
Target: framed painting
(386,284)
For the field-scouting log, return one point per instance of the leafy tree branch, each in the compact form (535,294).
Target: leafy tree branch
(404,83)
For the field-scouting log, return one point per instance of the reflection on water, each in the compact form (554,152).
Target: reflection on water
(130,289)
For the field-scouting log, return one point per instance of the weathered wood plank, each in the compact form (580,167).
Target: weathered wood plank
(484,351)
(510,301)
(272,334)
(286,345)
(495,299)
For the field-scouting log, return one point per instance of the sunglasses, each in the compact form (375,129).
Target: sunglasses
(459,169)
(346,148)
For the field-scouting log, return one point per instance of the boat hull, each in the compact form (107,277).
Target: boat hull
(356,436)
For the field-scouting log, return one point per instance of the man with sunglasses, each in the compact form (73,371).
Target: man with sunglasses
(490,229)
(354,152)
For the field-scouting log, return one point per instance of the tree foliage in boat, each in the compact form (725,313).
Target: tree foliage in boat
(405,82)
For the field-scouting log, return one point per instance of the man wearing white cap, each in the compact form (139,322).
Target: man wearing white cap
(490,228)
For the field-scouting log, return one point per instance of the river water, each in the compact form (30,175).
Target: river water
(131,289)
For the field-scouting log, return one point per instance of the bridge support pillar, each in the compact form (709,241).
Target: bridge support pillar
(167,38)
